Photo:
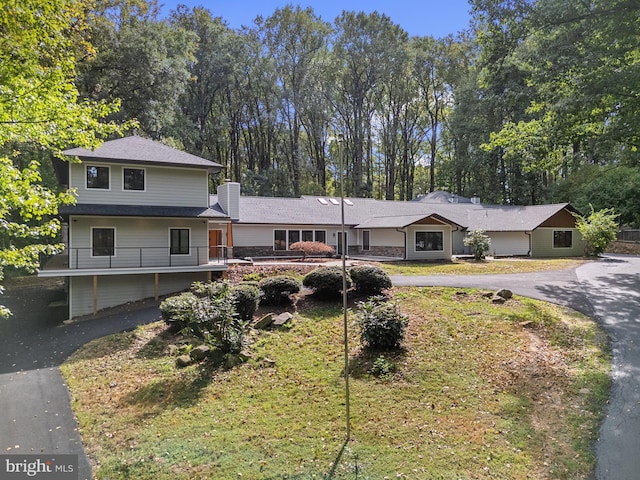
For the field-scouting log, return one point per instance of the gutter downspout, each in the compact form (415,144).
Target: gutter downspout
(530,243)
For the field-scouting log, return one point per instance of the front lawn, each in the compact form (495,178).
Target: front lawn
(481,391)
(489,266)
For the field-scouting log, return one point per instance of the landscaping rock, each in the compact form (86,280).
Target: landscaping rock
(282,319)
(497,299)
(172,350)
(265,322)
(268,363)
(504,293)
(216,356)
(200,353)
(183,361)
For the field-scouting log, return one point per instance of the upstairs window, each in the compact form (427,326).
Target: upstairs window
(179,241)
(98,177)
(562,239)
(133,179)
(103,242)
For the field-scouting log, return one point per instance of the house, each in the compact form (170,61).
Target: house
(141,226)
(145,225)
(430,228)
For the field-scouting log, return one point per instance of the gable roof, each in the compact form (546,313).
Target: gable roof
(370,213)
(136,149)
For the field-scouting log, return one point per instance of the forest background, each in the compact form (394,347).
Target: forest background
(537,102)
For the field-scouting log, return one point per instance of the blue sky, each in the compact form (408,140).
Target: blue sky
(418,17)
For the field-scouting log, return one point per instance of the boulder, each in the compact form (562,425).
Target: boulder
(282,319)
(200,353)
(498,299)
(504,293)
(183,361)
(265,322)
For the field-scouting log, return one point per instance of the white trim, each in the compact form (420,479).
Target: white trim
(144,170)
(102,227)
(181,254)
(87,187)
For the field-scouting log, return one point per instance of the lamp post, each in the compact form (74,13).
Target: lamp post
(344,290)
(343,247)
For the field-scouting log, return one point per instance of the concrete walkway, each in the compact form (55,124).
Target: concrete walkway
(37,417)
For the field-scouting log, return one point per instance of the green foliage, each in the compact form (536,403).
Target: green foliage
(246,299)
(313,249)
(177,311)
(369,279)
(597,230)
(383,367)
(277,290)
(479,243)
(326,282)
(381,324)
(210,314)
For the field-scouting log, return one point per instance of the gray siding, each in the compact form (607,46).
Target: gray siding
(115,290)
(139,242)
(177,187)
(542,244)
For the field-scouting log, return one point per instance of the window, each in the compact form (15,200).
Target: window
(294,236)
(320,236)
(366,240)
(280,240)
(179,241)
(133,179)
(98,177)
(103,242)
(429,241)
(562,239)
(307,235)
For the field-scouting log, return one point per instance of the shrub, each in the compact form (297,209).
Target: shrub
(245,299)
(381,324)
(369,279)
(210,289)
(209,314)
(277,290)
(479,243)
(177,311)
(598,230)
(383,367)
(316,249)
(326,282)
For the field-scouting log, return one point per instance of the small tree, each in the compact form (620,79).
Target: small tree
(479,243)
(313,249)
(598,230)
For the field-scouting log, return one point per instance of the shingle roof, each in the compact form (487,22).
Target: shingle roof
(136,149)
(370,213)
(140,211)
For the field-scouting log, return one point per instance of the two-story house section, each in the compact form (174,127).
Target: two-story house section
(141,227)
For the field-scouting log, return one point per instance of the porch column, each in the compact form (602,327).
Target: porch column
(95,294)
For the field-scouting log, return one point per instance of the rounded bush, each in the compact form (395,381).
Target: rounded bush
(178,311)
(382,325)
(326,282)
(369,279)
(313,249)
(277,290)
(246,299)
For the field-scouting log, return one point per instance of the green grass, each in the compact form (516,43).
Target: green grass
(480,391)
(485,267)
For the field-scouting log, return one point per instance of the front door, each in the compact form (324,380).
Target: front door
(346,242)
(215,244)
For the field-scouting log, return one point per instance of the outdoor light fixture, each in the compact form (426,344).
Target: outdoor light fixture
(343,246)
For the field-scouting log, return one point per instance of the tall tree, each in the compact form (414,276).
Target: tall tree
(39,108)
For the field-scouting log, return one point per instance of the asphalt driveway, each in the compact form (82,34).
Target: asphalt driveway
(37,417)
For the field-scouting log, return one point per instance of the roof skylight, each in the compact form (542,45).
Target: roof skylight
(334,201)
(323,201)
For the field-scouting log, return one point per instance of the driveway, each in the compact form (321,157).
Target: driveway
(37,417)
(607,290)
